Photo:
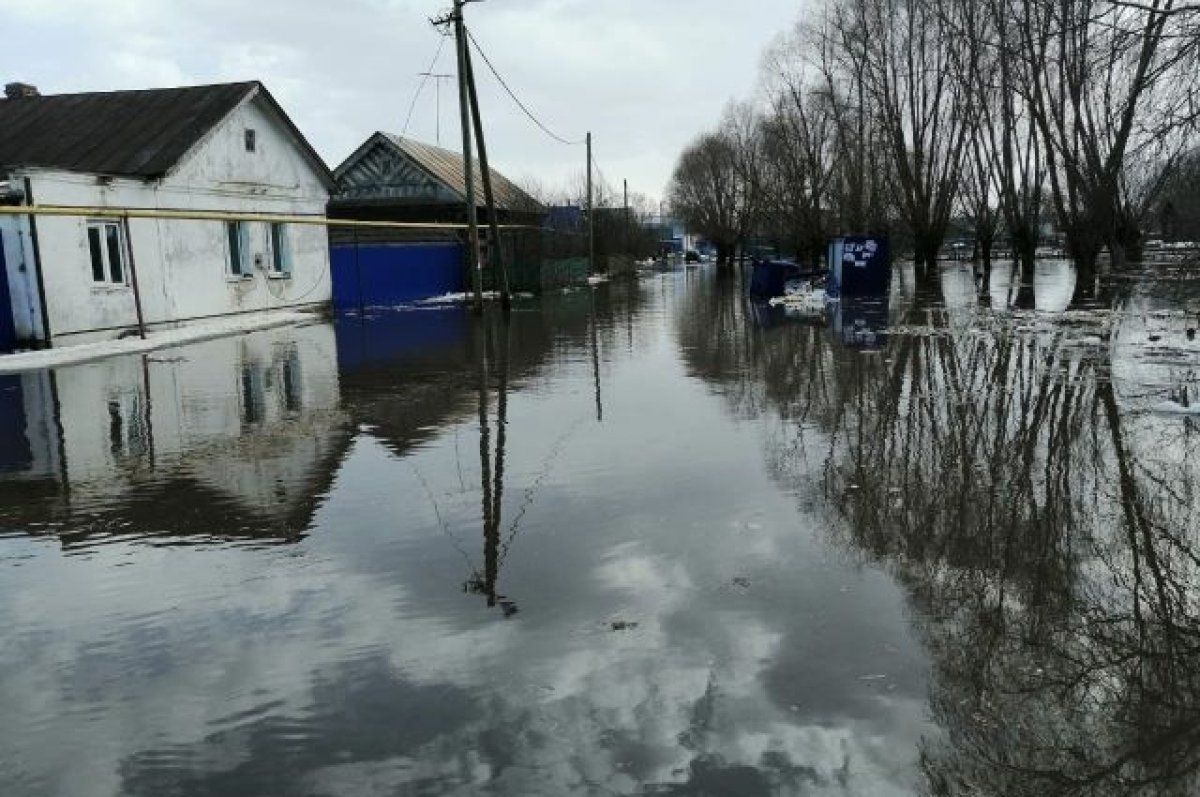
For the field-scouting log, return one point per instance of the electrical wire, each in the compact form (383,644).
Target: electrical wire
(515,99)
(421,87)
(601,182)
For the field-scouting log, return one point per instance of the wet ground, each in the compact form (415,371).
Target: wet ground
(644,539)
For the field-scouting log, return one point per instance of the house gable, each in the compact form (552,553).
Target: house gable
(380,170)
(254,150)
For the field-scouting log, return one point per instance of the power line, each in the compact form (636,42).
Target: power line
(427,73)
(602,181)
(520,104)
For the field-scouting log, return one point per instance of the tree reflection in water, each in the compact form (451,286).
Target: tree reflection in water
(1012,472)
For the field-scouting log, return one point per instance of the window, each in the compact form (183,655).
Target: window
(106,245)
(127,435)
(292,400)
(235,232)
(281,255)
(251,140)
(253,395)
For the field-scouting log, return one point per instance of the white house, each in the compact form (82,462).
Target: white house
(225,149)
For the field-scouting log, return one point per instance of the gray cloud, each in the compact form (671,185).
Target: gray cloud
(643,76)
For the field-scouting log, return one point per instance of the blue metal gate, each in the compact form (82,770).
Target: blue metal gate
(8,332)
(386,274)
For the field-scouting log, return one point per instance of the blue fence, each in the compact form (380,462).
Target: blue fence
(386,274)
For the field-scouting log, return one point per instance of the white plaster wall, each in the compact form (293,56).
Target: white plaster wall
(182,265)
(22,277)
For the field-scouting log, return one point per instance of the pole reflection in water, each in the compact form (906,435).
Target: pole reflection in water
(595,323)
(492,477)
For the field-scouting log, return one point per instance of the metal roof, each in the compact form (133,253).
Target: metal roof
(142,133)
(446,167)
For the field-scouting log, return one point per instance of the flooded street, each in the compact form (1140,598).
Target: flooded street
(648,538)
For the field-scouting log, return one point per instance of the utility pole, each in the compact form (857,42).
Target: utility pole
(590,210)
(495,252)
(460,39)
(437,92)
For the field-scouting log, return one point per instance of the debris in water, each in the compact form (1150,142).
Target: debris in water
(622,625)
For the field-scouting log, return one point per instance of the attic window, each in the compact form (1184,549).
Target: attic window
(251,141)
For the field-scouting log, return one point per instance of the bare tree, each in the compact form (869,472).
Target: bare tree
(800,153)
(901,52)
(709,194)
(1105,83)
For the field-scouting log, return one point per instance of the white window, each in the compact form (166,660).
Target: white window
(239,246)
(281,253)
(251,139)
(106,245)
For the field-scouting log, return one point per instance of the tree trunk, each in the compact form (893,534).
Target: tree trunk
(925,258)
(1127,241)
(1025,299)
(1024,243)
(725,256)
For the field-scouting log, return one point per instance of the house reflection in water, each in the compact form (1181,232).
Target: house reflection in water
(227,438)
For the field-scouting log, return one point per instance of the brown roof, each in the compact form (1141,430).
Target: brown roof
(142,133)
(446,166)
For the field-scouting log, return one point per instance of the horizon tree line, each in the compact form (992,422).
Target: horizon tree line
(908,117)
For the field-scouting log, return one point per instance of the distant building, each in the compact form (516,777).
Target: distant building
(391,178)
(401,179)
(225,148)
(672,234)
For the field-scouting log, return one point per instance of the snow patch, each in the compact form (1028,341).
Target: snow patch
(462,298)
(193,332)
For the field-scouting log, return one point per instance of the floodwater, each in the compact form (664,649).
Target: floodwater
(645,539)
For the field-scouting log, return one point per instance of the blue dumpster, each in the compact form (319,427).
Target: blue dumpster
(859,265)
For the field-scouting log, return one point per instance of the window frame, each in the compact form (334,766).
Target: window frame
(250,139)
(281,250)
(237,250)
(111,240)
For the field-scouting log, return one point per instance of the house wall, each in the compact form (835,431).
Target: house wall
(183,265)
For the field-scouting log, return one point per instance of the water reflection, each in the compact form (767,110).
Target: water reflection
(228,438)
(1036,488)
(630,540)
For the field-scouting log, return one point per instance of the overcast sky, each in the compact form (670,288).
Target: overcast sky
(643,75)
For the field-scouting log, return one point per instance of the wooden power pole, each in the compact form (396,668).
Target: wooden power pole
(473,264)
(495,252)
